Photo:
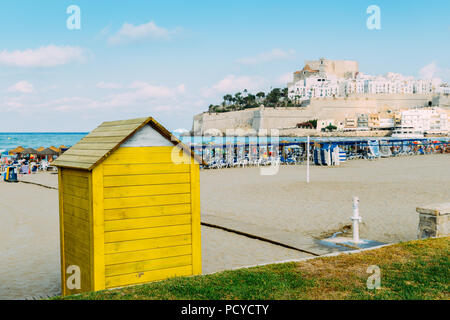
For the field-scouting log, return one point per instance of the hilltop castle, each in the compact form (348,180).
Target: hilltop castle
(338,68)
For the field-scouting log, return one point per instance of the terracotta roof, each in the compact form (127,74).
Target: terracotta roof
(106,138)
(308,68)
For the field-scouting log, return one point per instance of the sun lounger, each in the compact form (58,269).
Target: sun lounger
(385,152)
(24,169)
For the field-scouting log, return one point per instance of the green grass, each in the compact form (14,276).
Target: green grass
(409,270)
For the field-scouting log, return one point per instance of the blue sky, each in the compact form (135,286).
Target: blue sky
(171,59)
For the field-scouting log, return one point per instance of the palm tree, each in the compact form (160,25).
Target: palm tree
(238,98)
(273,97)
(260,95)
(285,95)
(227,98)
(249,100)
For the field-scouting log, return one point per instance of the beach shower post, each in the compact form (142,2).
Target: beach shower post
(356,220)
(307,160)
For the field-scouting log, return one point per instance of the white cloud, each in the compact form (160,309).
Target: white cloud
(46,56)
(275,54)
(138,91)
(19,102)
(144,90)
(181,130)
(21,87)
(135,95)
(13,103)
(429,71)
(170,103)
(109,85)
(147,31)
(432,70)
(285,78)
(181,88)
(65,103)
(233,83)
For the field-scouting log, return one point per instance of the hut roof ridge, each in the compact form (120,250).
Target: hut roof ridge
(95,147)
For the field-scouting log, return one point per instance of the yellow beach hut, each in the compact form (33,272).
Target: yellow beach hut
(129,202)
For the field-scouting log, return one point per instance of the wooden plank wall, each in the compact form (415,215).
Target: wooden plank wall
(147,216)
(75,213)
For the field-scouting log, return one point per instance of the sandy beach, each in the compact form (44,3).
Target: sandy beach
(389,191)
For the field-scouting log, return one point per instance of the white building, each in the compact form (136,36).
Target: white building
(387,122)
(443,89)
(311,83)
(423,86)
(426,120)
(347,87)
(317,86)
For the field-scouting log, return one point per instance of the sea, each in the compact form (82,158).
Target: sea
(9,140)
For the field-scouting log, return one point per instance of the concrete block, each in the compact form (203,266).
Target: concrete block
(434,220)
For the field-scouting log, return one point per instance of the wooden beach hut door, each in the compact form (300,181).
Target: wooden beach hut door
(140,219)
(151,211)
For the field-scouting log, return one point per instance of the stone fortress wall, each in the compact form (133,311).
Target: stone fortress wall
(320,108)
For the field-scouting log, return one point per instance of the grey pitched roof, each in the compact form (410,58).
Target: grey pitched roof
(106,138)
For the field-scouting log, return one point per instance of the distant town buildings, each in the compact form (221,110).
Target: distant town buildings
(443,89)
(328,78)
(329,95)
(430,120)
(421,120)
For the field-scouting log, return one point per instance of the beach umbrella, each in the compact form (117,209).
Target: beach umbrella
(63,148)
(48,152)
(28,151)
(54,148)
(16,150)
(40,149)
